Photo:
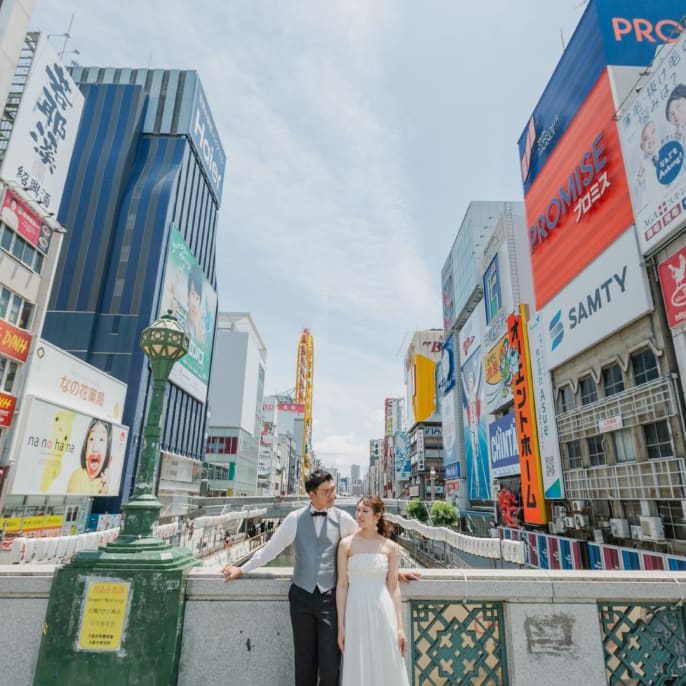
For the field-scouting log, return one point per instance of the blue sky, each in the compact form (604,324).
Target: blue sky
(356,132)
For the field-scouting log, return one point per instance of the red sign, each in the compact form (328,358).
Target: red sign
(579,204)
(7,405)
(14,342)
(673,283)
(292,407)
(17,216)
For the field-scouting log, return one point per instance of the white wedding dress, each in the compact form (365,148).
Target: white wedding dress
(372,655)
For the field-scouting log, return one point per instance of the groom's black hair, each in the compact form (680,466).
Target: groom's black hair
(316,478)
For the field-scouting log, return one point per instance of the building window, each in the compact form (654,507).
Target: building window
(645,367)
(21,249)
(658,440)
(625,449)
(15,309)
(595,450)
(574,454)
(8,372)
(613,381)
(565,399)
(589,392)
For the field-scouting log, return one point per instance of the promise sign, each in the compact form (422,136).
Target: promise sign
(525,418)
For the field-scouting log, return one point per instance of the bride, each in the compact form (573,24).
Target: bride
(370,628)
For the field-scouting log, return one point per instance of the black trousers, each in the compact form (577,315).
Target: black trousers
(315,636)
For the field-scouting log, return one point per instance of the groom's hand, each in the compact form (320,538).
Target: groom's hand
(407,575)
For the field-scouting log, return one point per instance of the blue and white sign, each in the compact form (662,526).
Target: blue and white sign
(502,437)
(610,293)
(448,365)
(453,471)
(402,455)
(206,142)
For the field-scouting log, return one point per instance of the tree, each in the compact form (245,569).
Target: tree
(417,509)
(443,514)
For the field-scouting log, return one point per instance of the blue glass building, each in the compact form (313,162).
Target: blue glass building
(147,158)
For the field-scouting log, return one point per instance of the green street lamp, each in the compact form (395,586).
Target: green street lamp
(137,581)
(164,342)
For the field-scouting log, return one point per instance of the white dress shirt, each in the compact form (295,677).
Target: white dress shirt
(285,535)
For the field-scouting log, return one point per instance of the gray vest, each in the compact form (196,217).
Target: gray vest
(315,557)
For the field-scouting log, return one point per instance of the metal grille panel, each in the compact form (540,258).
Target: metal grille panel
(644,644)
(458,643)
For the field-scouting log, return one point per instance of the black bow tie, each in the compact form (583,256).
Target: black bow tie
(314,513)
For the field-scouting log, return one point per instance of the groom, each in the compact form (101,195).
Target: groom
(314,531)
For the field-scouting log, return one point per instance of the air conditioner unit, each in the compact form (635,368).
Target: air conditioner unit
(559,511)
(569,522)
(580,521)
(578,505)
(620,528)
(652,529)
(636,532)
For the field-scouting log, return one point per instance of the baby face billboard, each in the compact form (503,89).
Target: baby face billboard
(653,136)
(64,452)
(188,294)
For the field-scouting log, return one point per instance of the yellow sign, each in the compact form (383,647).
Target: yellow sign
(32,524)
(104,615)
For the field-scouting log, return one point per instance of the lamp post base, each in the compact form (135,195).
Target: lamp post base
(115,615)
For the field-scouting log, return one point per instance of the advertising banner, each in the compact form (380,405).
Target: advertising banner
(402,456)
(474,408)
(548,444)
(609,294)
(8,404)
(527,435)
(448,365)
(17,215)
(653,136)
(449,421)
(206,141)
(499,367)
(189,295)
(14,342)
(423,355)
(419,437)
(626,33)
(64,452)
(580,203)
(673,284)
(448,294)
(502,437)
(40,147)
(65,380)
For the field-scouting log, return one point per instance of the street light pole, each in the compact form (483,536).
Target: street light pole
(136,582)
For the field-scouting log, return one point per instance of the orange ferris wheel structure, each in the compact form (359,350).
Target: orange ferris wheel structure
(304,377)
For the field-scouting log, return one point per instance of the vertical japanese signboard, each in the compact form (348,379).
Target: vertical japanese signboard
(533,504)
(43,135)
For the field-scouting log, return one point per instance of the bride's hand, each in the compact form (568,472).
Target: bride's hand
(341,640)
(402,642)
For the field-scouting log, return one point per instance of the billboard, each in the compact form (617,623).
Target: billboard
(499,364)
(548,444)
(449,425)
(626,33)
(402,455)
(42,140)
(673,283)
(474,408)
(606,296)
(579,204)
(525,416)
(653,136)
(448,294)
(60,378)
(502,439)
(423,354)
(206,141)
(189,295)
(17,215)
(65,452)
